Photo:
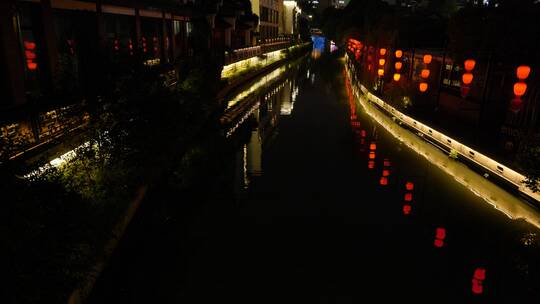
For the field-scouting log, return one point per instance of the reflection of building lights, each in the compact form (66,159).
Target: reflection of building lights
(407,209)
(500,199)
(408,197)
(264,81)
(478,279)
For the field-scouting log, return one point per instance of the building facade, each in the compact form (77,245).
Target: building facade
(58,55)
(269,16)
(289,19)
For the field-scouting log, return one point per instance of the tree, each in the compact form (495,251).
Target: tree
(529,161)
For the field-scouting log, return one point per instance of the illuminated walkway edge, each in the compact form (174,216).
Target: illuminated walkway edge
(440,139)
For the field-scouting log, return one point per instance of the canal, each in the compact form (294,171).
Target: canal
(316,201)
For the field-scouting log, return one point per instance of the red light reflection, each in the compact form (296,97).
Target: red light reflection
(385,172)
(383,181)
(371,164)
(480,274)
(407,209)
(409,186)
(373,146)
(477,282)
(408,197)
(371,155)
(386,163)
(440,233)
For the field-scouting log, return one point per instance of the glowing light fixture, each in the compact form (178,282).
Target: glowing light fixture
(522,72)
(467,78)
(423,87)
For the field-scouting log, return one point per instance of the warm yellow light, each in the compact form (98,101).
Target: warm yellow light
(382,62)
(425,73)
(427,58)
(382,51)
(399,53)
(423,86)
(397,77)
(398,65)
(380,72)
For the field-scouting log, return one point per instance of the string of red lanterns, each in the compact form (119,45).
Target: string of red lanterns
(423,86)
(29,53)
(397,65)
(520,87)
(382,61)
(467,77)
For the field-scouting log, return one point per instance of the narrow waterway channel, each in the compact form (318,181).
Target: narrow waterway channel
(317,202)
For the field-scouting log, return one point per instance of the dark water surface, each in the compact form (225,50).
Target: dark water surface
(298,216)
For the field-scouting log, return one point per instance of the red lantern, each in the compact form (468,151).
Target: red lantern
(425,73)
(382,51)
(383,181)
(423,87)
(397,77)
(467,78)
(371,155)
(371,164)
(386,163)
(408,197)
(373,146)
(522,72)
(398,65)
(380,72)
(427,58)
(382,61)
(385,172)
(520,88)
(399,53)
(469,64)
